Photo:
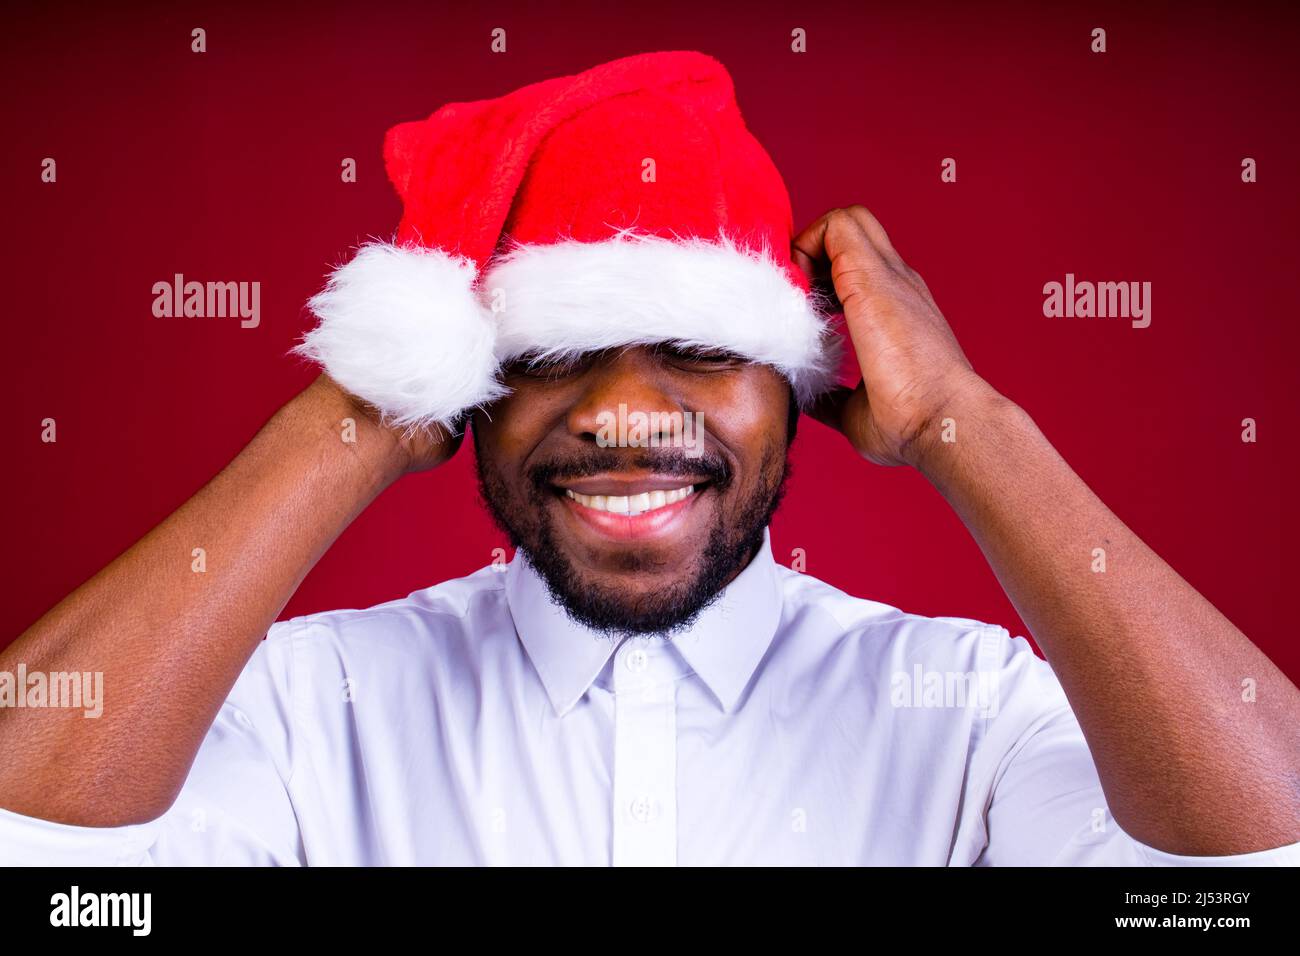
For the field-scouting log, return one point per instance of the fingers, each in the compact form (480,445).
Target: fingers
(816,248)
(809,247)
(807,253)
(875,232)
(852,240)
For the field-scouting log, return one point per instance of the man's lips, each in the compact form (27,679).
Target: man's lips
(624,487)
(646,498)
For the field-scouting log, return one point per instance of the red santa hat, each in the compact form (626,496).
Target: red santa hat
(625,205)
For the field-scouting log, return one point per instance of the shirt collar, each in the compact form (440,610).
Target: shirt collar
(723,647)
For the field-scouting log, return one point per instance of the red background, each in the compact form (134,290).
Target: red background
(225,166)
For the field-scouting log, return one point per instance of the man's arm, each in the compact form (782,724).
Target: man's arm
(171,641)
(1152,670)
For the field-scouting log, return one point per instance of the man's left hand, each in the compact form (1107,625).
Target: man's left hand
(913,370)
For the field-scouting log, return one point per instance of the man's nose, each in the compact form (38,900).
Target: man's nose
(631,377)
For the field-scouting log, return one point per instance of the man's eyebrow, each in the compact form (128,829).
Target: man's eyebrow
(538,358)
(684,348)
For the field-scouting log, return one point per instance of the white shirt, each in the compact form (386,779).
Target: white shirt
(474,723)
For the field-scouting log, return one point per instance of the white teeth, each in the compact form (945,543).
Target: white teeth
(631,504)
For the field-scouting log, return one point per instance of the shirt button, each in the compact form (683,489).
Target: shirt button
(637,661)
(643,809)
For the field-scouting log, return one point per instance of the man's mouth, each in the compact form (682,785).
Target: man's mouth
(622,509)
(631,504)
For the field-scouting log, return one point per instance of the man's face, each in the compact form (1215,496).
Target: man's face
(550,440)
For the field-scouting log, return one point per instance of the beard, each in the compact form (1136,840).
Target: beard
(730,544)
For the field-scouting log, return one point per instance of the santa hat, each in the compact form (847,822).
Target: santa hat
(625,205)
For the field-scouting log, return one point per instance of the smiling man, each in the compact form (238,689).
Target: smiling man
(644,684)
(636,542)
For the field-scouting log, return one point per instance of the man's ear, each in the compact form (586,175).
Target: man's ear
(792,421)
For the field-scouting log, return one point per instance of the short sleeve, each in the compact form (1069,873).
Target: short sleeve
(1044,804)
(234,808)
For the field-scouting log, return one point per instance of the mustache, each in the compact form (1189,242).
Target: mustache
(595,461)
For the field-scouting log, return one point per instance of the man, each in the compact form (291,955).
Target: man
(643,684)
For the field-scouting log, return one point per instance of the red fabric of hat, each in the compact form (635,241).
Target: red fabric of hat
(627,204)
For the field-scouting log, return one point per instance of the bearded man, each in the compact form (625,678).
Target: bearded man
(644,684)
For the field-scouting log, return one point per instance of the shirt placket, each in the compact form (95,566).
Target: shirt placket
(645,754)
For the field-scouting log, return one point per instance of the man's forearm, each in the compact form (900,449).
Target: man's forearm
(171,636)
(1152,670)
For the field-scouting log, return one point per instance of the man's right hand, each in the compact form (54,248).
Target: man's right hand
(418,449)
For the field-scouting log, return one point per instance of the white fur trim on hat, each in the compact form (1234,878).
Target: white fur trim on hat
(401,327)
(556,301)
(406,328)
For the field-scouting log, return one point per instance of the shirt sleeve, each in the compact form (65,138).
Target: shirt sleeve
(1045,805)
(234,808)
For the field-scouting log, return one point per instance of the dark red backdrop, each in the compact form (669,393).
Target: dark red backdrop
(225,165)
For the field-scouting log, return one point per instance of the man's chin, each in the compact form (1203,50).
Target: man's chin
(647,588)
(631,590)
(623,576)
(656,582)
(629,602)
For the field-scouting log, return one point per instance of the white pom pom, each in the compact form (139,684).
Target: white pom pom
(402,328)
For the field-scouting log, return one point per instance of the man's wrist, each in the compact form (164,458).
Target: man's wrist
(339,417)
(973,413)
